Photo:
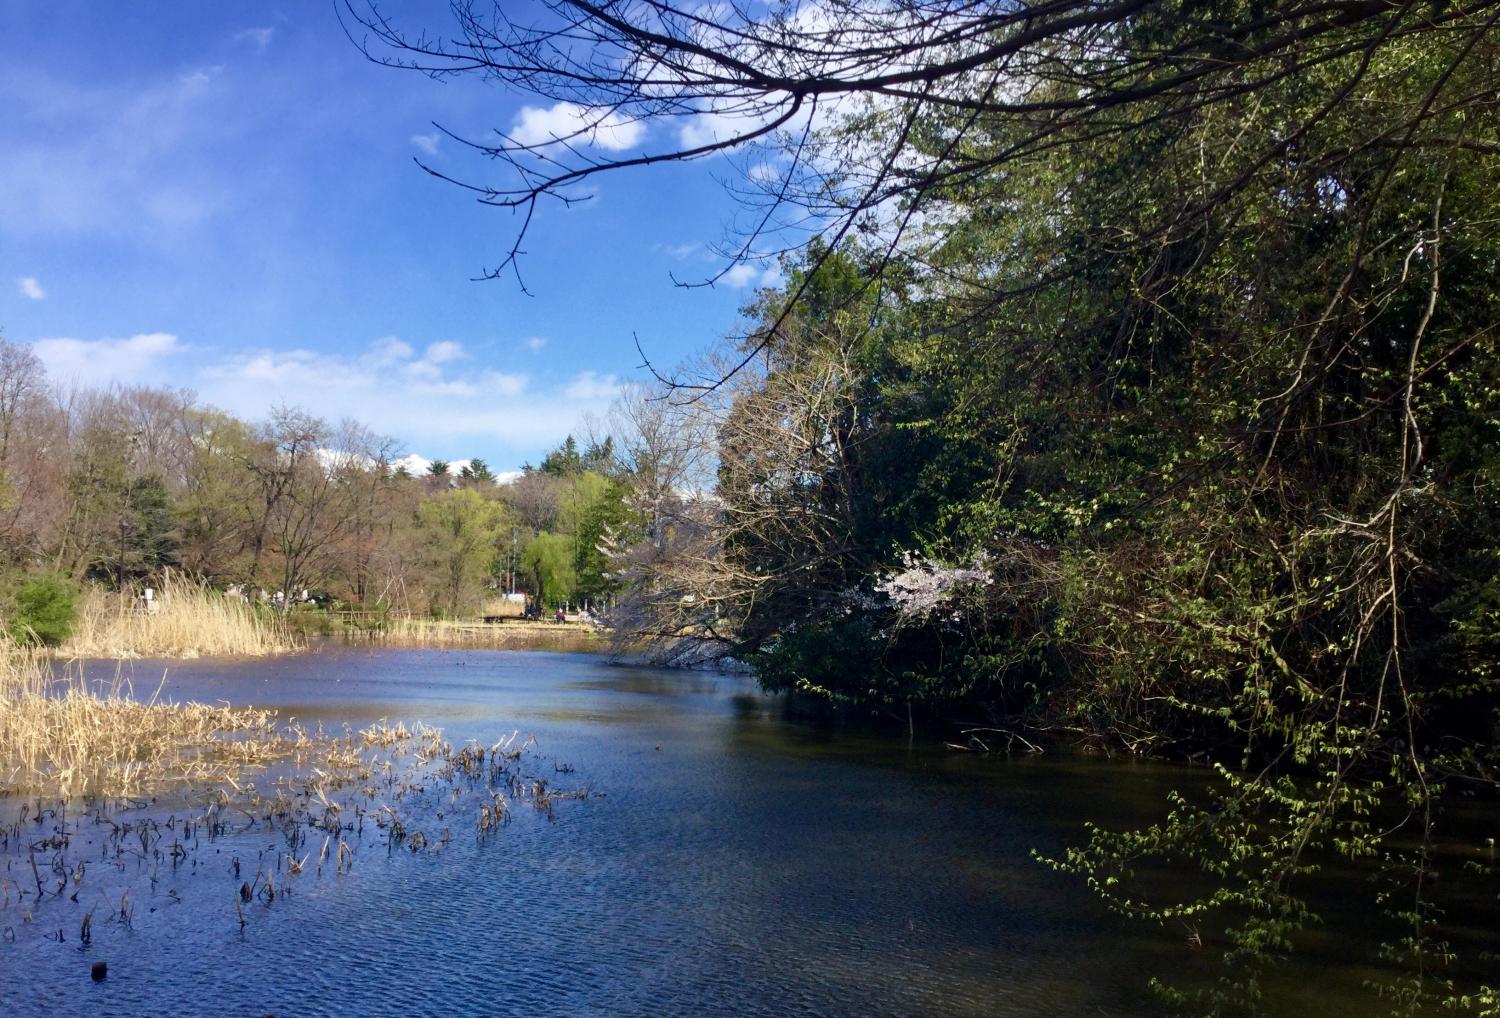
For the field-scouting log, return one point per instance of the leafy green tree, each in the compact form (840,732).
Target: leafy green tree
(121,525)
(548,564)
(459,530)
(600,456)
(29,433)
(593,509)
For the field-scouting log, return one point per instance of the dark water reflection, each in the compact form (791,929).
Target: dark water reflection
(740,863)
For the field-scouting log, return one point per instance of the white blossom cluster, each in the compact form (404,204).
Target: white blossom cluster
(924,588)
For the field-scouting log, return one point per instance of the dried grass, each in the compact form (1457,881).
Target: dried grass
(58,736)
(252,796)
(191,620)
(409,632)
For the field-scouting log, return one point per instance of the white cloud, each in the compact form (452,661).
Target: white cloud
(590,385)
(101,362)
(535,125)
(389,349)
(710,128)
(536,343)
(114,160)
(420,466)
(427,142)
(504,384)
(765,173)
(454,387)
(196,79)
(414,464)
(740,276)
(438,399)
(260,38)
(745,274)
(455,404)
(293,367)
(30,288)
(447,350)
(433,359)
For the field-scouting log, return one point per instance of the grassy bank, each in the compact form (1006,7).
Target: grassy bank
(189,620)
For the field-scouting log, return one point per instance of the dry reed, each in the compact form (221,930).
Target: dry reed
(58,736)
(59,740)
(515,635)
(189,620)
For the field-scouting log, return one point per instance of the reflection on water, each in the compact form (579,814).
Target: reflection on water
(740,862)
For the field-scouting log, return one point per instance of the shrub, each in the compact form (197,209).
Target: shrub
(46,606)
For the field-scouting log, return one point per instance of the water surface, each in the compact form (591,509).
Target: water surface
(740,861)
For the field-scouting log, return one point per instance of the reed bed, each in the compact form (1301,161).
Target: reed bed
(190,620)
(70,871)
(60,737)
(418,632)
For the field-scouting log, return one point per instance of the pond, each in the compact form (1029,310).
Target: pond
(738,861)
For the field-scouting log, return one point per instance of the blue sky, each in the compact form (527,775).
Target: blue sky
(222,197)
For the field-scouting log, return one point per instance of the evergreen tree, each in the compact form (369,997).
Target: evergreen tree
(478,472)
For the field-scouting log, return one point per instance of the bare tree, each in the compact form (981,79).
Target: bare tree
(22,382)
(536,498)
(160,443)
(308,480)
(33,441)
(749,500)
(665,448)
(372,511)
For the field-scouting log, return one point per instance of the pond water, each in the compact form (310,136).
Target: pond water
(739,861)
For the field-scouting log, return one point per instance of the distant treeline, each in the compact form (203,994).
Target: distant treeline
(115,486)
